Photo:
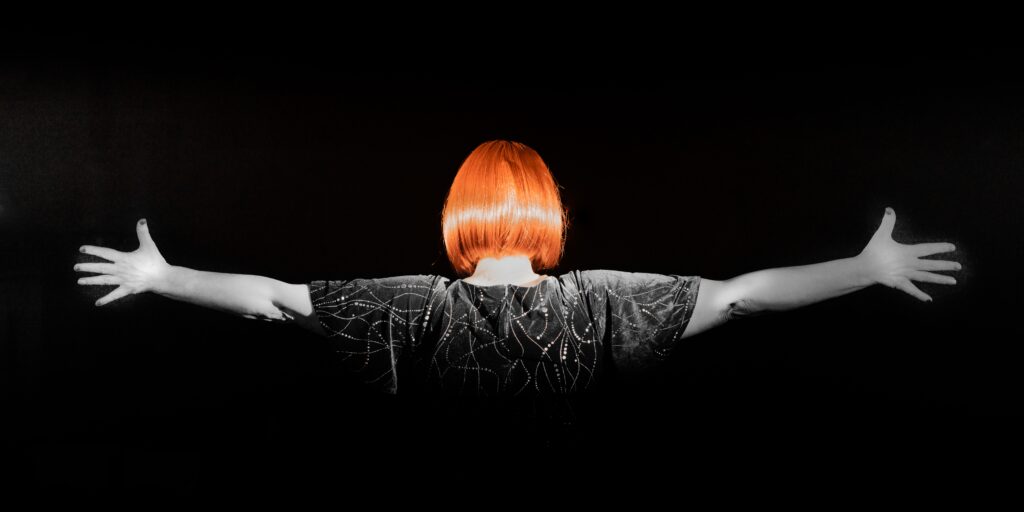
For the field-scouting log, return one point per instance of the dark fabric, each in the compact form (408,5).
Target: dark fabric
(427,333)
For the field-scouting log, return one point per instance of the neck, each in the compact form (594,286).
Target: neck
(504,270)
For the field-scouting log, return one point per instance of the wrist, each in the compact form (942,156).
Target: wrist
(167,280)
(864,270)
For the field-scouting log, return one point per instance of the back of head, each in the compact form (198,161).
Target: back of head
(503,201)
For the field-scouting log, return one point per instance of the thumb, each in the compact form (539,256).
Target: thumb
(888,221)
(142,230)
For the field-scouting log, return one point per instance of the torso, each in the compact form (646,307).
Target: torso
(508,339)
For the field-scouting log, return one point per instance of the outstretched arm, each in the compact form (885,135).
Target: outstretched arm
(779,289)
(248,296)
(882,261)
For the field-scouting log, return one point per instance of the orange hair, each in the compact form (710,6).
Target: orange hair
(503,201)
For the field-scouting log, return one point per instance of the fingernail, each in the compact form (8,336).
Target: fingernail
(959,266)
(143,222)
(888,211)
(97,303)
(77,267)
(81,249)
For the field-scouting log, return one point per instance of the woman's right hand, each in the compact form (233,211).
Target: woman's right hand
(133,272)
(895,265)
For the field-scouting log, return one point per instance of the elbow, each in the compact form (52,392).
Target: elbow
(268,313)
(734,298)
(742,308)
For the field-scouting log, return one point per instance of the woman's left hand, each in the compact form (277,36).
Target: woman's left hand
(893,264)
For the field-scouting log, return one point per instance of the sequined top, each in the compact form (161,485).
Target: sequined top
(560,336)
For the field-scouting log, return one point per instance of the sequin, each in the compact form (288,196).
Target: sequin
(483,340)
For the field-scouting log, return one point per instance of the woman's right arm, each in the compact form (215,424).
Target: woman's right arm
(245,295)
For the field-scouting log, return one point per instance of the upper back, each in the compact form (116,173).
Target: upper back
(560,336)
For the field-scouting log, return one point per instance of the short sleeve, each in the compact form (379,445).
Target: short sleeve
(373,324)
(640,316)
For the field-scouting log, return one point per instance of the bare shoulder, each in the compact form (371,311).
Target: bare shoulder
(712,307)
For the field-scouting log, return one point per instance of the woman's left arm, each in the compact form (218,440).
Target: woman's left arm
(883,261)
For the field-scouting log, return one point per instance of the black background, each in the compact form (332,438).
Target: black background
(304,158)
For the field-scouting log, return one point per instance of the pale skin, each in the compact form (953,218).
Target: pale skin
(882,261)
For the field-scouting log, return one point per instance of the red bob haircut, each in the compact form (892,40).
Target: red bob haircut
(503,202)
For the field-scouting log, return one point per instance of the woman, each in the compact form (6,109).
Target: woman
(501,329)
